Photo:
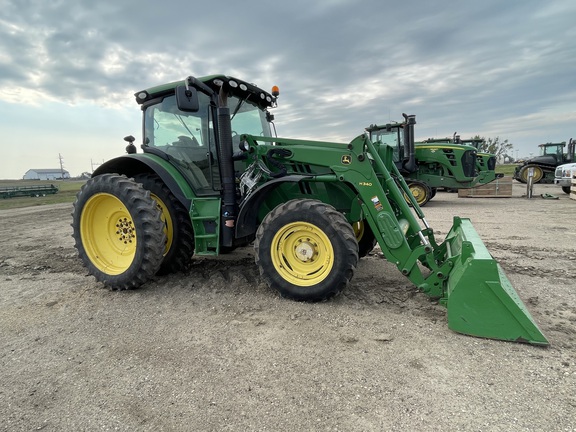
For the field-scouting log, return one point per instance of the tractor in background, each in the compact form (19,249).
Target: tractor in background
(434,163)
(211,177)
(544,165)
(485,162)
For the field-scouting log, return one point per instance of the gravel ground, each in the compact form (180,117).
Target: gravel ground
(216,350)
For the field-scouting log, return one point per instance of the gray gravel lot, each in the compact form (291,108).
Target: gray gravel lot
(216,350)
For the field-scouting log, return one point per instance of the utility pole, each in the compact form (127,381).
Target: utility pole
(95,164)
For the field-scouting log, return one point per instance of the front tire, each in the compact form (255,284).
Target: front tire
(118,231)
(421,192)
(306,250)
(177,226)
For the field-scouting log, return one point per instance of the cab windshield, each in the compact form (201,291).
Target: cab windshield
(247,118)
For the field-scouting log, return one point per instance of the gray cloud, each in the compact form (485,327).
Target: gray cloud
(341,65)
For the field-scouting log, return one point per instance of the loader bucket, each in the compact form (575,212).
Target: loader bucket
(481,300)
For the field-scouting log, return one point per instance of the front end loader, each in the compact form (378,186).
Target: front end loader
(212,177)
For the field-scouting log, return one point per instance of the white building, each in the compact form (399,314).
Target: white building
(46,174)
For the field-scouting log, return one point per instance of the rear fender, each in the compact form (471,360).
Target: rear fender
(131,165)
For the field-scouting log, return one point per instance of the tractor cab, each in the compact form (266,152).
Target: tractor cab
(400,137)
(552,153)
(389,135)
(181,124)
(477,143)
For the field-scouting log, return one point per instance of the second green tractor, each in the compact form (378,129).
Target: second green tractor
(432,164)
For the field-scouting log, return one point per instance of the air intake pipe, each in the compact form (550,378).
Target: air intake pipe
(228,211)
(409,150)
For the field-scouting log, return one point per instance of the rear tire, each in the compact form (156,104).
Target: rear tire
(566,189)
(177,225)
(306,250)
(118,231)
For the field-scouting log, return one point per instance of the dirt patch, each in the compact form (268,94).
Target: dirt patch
(216,350)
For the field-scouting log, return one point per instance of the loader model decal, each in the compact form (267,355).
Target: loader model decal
(377,203)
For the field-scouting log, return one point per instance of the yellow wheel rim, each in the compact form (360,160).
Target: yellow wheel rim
(419,193)
(108,234)
(167,221)
(538,174)
(358,228)
(302,254)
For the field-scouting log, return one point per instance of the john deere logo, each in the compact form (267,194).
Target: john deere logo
(346,160)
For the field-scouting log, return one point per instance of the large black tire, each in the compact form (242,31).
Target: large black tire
(177,225)
(421,191)
(364,237)
(306,250)
(118,231)
(566,189)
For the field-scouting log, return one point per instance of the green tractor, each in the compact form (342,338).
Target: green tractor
(544,165)
(485,162)
(212,177)
(434,163)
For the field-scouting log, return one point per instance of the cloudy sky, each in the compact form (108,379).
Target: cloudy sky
(69,69)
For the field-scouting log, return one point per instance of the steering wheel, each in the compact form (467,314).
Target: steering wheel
(186,141)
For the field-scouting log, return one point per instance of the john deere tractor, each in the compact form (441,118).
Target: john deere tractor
(211,177)
(544,165)
(434,163)
(485,162)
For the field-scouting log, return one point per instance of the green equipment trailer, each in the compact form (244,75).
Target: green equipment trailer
(212,177)
(27,191)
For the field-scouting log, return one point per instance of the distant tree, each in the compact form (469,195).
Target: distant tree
(496,147)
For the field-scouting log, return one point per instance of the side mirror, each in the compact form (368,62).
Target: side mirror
(187,99)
